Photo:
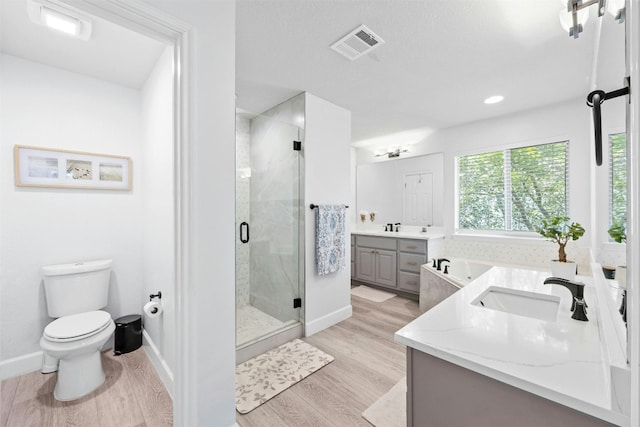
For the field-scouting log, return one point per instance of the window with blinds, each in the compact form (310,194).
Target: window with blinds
(514,189)
(617,178)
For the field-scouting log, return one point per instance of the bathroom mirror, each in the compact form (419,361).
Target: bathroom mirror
(406,190)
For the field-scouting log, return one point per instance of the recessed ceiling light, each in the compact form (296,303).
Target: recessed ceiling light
(59,18)
(61,22)
(494,99)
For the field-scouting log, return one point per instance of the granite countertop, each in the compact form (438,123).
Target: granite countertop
(418,235)
(563,361)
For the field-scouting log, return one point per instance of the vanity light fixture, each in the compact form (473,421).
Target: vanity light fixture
(494,99)
(393,153)
(59,18)
(574,17)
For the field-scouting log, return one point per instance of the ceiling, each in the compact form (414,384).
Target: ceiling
(441,58)
(113,53)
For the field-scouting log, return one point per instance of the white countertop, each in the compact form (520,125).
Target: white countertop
(562,361)
(400,234)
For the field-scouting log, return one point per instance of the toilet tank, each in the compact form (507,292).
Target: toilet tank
(76,288)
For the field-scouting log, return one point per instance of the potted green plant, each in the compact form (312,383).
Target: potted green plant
(560,230)
(618,232)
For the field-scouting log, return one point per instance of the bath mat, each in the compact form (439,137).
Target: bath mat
(391,409)
(371,294)
(263,377)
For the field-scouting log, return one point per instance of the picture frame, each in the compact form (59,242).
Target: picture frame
(53,168)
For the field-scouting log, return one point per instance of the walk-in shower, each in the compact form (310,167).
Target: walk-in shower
(269,216)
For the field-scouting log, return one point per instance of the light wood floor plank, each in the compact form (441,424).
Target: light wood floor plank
(157,407)
(368,363)
(7,393)
(131,388)
(77,413)
(116,405)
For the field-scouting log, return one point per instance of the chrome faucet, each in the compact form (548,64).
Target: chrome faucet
(578,305)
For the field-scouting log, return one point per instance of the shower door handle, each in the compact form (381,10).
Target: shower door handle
(244,226)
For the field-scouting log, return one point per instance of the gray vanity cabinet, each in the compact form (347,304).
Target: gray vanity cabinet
(376,260)
(353,257)
(411,255)
(440,393)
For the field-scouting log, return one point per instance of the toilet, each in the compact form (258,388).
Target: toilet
(71,344)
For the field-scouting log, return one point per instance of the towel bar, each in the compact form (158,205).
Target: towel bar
(312,206)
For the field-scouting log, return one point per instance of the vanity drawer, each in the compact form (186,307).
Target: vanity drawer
(417,246)
(376,242)
(409,281)
(411,262)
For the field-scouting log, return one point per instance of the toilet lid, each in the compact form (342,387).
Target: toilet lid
(76,326)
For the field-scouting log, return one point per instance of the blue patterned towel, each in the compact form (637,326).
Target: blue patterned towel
(330,238)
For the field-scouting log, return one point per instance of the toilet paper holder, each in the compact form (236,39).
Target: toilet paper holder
(158,295)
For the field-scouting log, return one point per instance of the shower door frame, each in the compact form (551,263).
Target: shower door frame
(288,332)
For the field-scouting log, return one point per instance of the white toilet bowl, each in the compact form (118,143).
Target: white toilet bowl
(73,343)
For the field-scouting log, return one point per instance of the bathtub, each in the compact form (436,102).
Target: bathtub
(435,286)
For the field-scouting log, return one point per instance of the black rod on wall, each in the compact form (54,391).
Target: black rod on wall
(312,206)
(594,100)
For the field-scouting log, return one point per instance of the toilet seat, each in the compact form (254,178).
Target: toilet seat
(77,326)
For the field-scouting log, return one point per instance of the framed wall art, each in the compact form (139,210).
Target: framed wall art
(46,167)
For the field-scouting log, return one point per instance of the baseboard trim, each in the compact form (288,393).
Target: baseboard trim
(158,362)
(328,320)
(20,365)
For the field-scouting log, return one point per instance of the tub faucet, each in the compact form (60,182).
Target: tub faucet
(440,261)
(578,305)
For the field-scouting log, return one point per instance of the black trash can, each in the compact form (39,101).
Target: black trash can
(128,336)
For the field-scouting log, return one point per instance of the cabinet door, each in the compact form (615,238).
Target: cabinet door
(386,267)
(365,264)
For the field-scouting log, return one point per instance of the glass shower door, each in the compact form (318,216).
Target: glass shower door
(268,215)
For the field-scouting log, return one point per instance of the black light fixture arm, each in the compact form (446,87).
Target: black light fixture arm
(594,100)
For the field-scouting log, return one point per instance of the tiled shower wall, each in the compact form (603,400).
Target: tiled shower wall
(243,195)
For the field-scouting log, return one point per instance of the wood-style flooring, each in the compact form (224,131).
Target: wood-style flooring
(368,363)
(132,395)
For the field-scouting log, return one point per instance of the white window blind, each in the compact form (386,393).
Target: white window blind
(514,189)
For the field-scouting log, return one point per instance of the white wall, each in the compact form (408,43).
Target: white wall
(47,107)
(208,383)
(157,166)
(327,163)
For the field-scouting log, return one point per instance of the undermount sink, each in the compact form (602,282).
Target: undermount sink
(521,303)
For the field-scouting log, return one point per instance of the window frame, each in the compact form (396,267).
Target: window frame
(513,234)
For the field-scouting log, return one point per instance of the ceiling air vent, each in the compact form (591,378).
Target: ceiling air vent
(357,43)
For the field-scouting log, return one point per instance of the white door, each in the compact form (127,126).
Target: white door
(418,199)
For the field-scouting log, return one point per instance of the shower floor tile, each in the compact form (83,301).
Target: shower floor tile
(252,323)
